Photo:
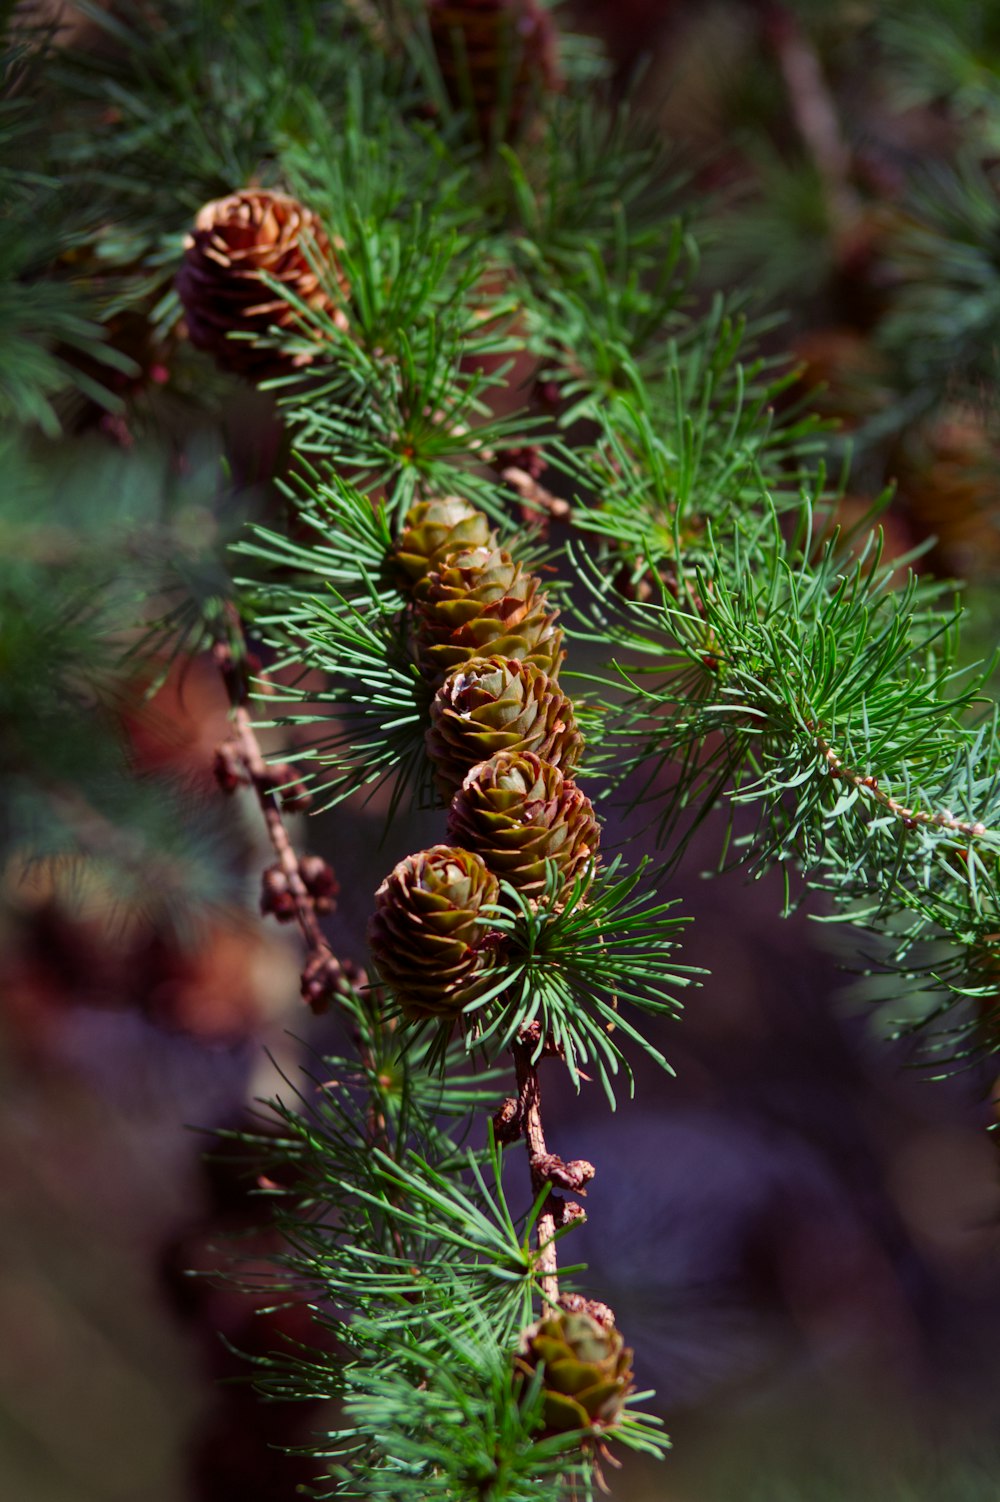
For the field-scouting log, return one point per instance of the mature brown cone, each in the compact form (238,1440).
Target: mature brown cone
(496,57)
(518,812)
(427,936)
(433,530)
(234,241)
(587,1370)
(480,603)
(493,704)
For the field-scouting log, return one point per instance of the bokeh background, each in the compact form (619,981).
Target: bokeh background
(801,1231)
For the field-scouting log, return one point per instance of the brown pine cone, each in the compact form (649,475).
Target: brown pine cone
(234,241)
(518,812)
(498,704)
(426,935)
(433,530)
(496,57)
(480,603)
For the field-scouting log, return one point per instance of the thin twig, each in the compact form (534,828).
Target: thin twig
(262,782)
(323,973)
(942,819)
(536,495)
(529,1104)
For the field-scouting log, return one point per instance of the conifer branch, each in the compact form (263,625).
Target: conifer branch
(323,975)
(555,1212)
(865,783)
(757,664)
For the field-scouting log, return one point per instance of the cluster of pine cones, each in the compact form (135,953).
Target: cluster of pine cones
(503,741)
(502,737)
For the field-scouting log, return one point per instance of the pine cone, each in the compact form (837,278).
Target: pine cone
(426,934)
(480,603)
(496,704)
(433,530)
(220,285)
(494,56)
(517,812)
(587,1370)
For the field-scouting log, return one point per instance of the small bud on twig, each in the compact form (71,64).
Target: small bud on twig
(276,896)
(282,779)
(575,1303)
(573,1175)
(320,882)
(228,768)
(507,1121)
(323,979)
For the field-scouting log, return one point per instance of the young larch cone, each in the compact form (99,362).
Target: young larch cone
(433,530)
(587,1372)
(496,704)
(427,935)
(496,57)
(518,812)
(234,243)
(480,603)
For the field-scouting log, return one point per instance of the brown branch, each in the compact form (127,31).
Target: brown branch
(523,1117)
(943,819)
(323,975)
(530,1116)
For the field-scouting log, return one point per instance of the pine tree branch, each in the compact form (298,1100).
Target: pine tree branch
(942,818)
(530,1118)
(547,1169)
(323,975)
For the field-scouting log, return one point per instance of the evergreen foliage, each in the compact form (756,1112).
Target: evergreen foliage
(534,294)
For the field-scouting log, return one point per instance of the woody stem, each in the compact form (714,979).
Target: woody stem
(256,769)
(941,819)
(530,1116)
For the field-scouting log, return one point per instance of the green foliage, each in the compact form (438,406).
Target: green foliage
(766,663)
(75,579)
(567,962)
(424,1247)
(947,49)
(944,323)
(806,686)
(51,340)
(198,99)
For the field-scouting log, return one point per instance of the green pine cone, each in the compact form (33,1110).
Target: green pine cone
(426,934)
(499,704)
(480,603)
(587,1370)
(433,530)
(518,811)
